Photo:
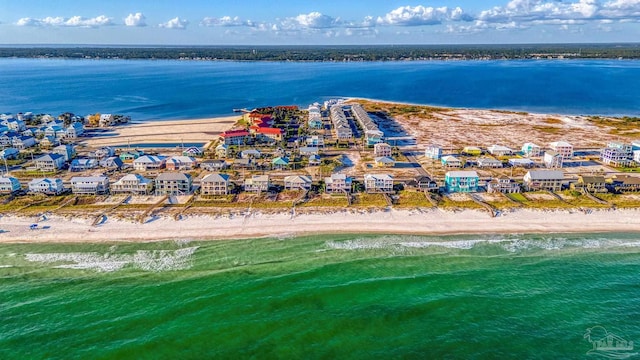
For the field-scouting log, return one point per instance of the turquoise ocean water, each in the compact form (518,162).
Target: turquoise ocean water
(343,296)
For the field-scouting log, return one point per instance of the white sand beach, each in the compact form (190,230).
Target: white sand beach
(15,229)
(173,131)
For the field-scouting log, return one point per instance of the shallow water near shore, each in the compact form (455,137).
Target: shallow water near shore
(357,296)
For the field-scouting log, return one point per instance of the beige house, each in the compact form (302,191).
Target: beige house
(382,149)
(297,182)
(337,183)
(378,183)
(257,183)
(543,180)
(132,184)
(592,184)
(214,184)
(173,183)
(90,185)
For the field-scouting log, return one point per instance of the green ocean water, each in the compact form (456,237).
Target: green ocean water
(342,296)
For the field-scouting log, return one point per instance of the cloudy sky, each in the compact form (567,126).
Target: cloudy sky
(286,22)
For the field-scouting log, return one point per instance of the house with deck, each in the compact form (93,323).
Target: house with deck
(503,184)
(433,152)
(591,183)
(68,151)
(450,161)
(215,184)
(308,150)
(250,154)
(553,160)
(297,182)
(135,184)
(625,183)
(384,161)
(461,181)
(181,162)
(9,153)
(257,183)
(382,149)
(489,163)
(48,186)
(48,142)
(222,151)
(472,151)
(214,165)
(563,148)
(315,141)
(9,185)
(499,150)
(112,162)
(378,183)
(23,142)
(83,164)
(193,151)
(49,162)
(531,150)
(617,154)
(280,162)
(130,155)
(535,180)
(149,162)
(519,162)
(314,160)
(90,185)
(423,183)
(106,120)
(173,183)
(74,130)
(268,134)
(337,183)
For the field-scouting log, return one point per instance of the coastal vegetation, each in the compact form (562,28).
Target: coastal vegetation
(334,53)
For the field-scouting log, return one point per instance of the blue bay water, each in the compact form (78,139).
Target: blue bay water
(189,89)
(330,296)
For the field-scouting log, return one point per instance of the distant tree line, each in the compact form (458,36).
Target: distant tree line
(335,53)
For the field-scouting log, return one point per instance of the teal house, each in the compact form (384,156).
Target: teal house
(461,181)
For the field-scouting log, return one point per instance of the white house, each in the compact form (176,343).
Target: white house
(214,184)
(149,162)
(91,185)
(499,150)
(133,184)
(543,180)
(49,186)
(337,183)
(9,185)
(378,183)
(563,148)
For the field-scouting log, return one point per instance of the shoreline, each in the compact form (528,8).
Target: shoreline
(59,229)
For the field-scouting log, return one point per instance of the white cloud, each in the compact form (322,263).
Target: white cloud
(422,15)
(175,23)
(136,19)
(225,21)
(74,21)
(312,20)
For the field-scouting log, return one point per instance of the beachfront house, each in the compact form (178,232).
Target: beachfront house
(384,161)
(149,162)
(222,150)
(215,184)
(106,120)
(531,150)
(382,149)
(625,183)
(49,162)
(518,162)
(68,151)
(9,185)
(90,185)
(424,183)
(378,183)
(450,161)
(297,182)
(214,165)
(472,151)
(135,184)
(48,186)
(82,164)
(337,183)
(489,163)
(551,180)
(503,184)
(461,181)
(590,183)
(181,163)
(257,183)
(563,148)
(433,152)
(553,160)
(235,137)
(499,150)
(173,183)
(617,154)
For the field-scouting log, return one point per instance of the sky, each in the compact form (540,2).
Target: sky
(315,22)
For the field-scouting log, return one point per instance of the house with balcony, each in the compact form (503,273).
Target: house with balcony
(424,183)
(617,154)
(133,184)
(23,142)
(173,183)
(489,163)
(48,186)
(451,161)
(235,137)
(214,165)
(215,184)
(461,181)
(384,161)
(531,150)
(382,149)
(74,130)
(181,163)
(89,185)
(378,183)
(257,183)
(337,183)
(433,152)
(50,162)
(112,162)
(149,163)
(553,160)
(222,151)
(499,150)
(563,148)
(524,163)
(472,151)
(551,180)
(503,184)
(67,151)
(625,183)
(590,183)
(297,182)
(83,164)
(9,185)
(9,153)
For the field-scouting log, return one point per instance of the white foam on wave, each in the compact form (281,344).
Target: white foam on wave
(147,260)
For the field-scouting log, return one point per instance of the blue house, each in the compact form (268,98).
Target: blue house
(461,181)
